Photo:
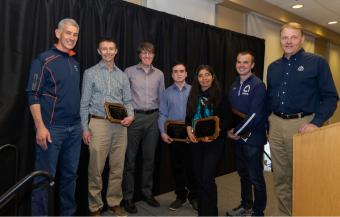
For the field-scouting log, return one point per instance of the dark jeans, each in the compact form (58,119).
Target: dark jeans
(181,163)
(206,156)
(65,149)
(249,161)
(142,132)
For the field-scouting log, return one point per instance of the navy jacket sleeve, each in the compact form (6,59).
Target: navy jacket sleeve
(269,109)
(35,82)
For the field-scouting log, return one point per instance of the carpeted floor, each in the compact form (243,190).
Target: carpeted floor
(228,187)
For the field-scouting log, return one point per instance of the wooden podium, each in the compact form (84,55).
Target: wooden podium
(316,172)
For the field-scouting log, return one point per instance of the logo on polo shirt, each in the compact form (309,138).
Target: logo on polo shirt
(300,68)
(246,90)
(75,67)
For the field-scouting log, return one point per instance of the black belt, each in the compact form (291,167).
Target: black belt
(145,111)
(97,117)
(292,116)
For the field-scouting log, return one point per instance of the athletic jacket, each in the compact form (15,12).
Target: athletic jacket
(54,84)
(249,98)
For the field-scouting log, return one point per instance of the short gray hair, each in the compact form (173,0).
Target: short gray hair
(67,21)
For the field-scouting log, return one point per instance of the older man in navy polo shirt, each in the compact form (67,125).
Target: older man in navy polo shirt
(302,96)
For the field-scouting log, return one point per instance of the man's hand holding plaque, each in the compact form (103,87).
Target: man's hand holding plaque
(238,117)
(115,112)
(176,130)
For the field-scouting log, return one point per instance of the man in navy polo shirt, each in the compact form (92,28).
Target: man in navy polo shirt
(247,97)
(301,97)
(54,97)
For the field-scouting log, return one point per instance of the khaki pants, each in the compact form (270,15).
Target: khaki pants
(281,133)
(108,140)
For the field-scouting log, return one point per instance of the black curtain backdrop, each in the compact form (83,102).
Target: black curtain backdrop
(27,28)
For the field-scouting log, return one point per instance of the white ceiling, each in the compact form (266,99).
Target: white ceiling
(317,11)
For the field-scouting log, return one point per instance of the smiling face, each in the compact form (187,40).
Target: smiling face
(205,79)
(107,50)
(146,57)
(67,37)
(291,41)
(179,73)
(244,64)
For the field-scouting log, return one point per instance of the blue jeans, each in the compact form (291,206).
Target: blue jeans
(65,150)
(249,162)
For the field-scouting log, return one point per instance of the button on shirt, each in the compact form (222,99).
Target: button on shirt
(173,103)
(146,87)
(302,83)
(101,85)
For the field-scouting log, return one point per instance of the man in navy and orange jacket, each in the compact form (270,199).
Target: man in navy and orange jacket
(53,93)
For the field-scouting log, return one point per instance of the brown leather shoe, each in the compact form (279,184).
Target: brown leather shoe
(95,213)
(118,211)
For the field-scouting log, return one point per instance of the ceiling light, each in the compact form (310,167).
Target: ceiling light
(332,22)
(297,6)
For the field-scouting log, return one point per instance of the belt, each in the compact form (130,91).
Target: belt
(145,111)
(292,116)
(97,117)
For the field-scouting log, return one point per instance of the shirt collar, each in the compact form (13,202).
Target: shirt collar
(295,56)
(102,65)
(174,86)
(69,53)
(140,67)
(245,81)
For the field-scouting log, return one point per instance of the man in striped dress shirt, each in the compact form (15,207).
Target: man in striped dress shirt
(105,82)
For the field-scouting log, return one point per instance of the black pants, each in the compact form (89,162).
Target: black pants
(143,133)
(249,161)
(181,163)
(206,156)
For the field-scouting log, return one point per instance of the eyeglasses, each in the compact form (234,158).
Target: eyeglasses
(147,53)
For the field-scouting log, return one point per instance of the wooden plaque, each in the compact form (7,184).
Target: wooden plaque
(115,112)
(176,130)
(207,127)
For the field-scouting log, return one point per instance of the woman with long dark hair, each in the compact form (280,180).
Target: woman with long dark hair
(206,99)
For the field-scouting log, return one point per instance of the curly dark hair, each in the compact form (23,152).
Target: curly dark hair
(214,91)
